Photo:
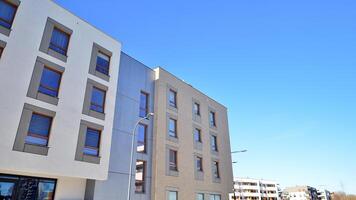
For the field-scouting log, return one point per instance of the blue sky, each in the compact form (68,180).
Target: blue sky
(285,69)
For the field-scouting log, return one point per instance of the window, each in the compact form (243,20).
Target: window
(214,144)
(196,108)
(216,173)
(172,98)
(92,142)
(141,138)
(21,187)
(59,41)
(140,176)
(200,196)
(215,197)
(173,160)
(199,163)
(55,40)
(50,81)
(97,100)
(7,14)
(172,195)
(102,63)
(1,50)
(212,119)
(143,104)
(172,127)
(197,135)
(38,131)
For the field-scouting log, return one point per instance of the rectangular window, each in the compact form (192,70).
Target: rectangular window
(199,163)
(197,135)
(172,126)
(215,197)
(172,195)
(141,138)
(143,104)
(102,63)
(92,142)
(172,98)
(196,108)
(39,128)
(200,196)
(214,143)
(216,172)
(7,14)
(173,160)
(1,50)
(59,41)
(50,82)
(97,100)
(140,176)
(212,119)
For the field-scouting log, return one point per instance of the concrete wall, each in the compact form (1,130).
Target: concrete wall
(185,182)
(134,77)
(16,68)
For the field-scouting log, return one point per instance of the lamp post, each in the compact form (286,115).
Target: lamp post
(234,162)
(148,116)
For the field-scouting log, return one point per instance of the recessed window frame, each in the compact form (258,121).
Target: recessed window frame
(23,128)
(100,108)
(37,135)
(196,117)
(172,103)
(52,24)
(212,118)
(80,155)
(172,133)
(172,169)
(197,131)
(97,148)
(33,90)
(88,96)
(214,143)
(173,191)
(173,160)
(7,30)
(144,109)
(96,49)
(2,47)
(215,170)
(143,181)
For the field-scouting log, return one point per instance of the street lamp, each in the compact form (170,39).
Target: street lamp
(235,162)
(148,116)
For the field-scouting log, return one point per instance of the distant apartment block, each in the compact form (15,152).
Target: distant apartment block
(72,106)
(324,194)
(254,189)
(300,193)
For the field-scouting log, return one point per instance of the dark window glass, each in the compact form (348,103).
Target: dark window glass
(140,176)
(199,163)
(172,98)
(50,81)
(102,63)
(97,100)
(38,131)
(215,197)
(172,126)
(143,104)
(216,172)
(45,190)
(1,50)
(7,14)
(141,138)
(197,135)
(173,160)
(7,189)
(212,119)
(196,109)
(92,142)
(59,41)
(214,145)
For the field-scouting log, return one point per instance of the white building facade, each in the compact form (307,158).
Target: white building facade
(59,78)
(300,193)
(254,189)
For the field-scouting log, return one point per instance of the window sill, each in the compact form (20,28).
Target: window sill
(198,146)
(101,75)
(96,114)
(91,159)
(57,55)
(36,149)
(172,139)
(215,153)
(216,180)
(172,173)
(5,31)
(47,98)
(199,175)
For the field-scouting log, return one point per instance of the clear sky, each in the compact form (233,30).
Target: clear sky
(286,70)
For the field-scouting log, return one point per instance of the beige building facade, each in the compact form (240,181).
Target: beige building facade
(191,146)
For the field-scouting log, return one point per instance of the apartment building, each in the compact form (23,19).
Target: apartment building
(324,194)
(255,189)
(76,118)
(191,146)
(59,79)
(300,193)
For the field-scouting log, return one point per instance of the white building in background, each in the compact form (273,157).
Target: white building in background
(324,194)
(300,193)
(254,189)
